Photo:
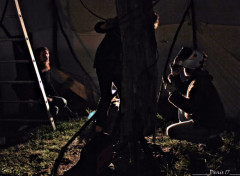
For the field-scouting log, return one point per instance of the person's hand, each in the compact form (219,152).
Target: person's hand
(49,99)
(174,69)
(171,78)
(170,87)
(109,23)
(110,20)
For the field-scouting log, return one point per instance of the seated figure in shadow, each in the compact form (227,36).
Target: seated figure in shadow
(201,112)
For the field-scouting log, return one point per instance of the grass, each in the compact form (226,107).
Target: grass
(36,156)
(186,158)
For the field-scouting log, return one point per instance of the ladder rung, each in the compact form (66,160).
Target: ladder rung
(21,101)
(10,16)
(15,61)
(17,82)
(22,120)
(11,39)
(26,38)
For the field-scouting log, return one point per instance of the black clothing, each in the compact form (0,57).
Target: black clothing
(202,102)
(110,49)
(108,66)
(57,101)
(105,83)
(180,85)
(48,86)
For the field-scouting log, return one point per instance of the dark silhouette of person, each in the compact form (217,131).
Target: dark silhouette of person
(201,110)
(108,64)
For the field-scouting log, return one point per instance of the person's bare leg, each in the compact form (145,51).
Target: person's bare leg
(187,131)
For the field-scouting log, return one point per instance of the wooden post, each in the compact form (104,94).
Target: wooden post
(140,74)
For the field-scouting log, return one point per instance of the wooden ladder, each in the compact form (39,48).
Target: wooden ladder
(39,81)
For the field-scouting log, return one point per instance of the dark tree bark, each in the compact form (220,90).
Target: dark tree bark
(140,75)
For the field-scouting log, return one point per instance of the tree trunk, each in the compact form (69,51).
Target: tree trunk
(140,75)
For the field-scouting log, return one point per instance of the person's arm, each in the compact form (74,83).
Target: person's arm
(191,104)
(105,26)
(48,86)
(51,90)
(174,78)
(178,83)
(98,27)
(180,101)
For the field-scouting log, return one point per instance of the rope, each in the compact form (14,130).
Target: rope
(169,55)
(157,54)
(121,19)
(72,50)
(194,27)
(91,12)
(173,43)
(2,18)
(175,38)
(4,12)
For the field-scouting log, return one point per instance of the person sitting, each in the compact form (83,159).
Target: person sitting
(55,102)
(203,112)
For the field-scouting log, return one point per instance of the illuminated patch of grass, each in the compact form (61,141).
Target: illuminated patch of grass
(36,157)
